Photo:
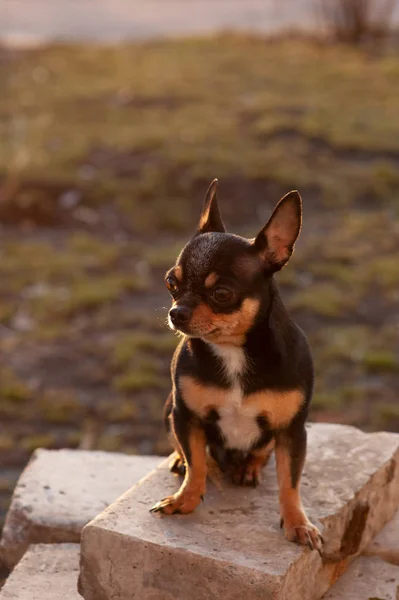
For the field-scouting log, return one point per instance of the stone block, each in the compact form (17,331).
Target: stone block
(46,572)
(61,490)
(231,546)
(367,579)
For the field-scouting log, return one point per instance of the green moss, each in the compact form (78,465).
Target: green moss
(164,257)
(7,442)
(384,271)
(92,293)
(31,442)
(386,415)
(94,251)
(325,299)
(60,406)
(127,346)
(121,411)
(110,443)
(12,388)
(73,439)
(138,380)
(327,400)
(380,361)
(7,310)
(344,343)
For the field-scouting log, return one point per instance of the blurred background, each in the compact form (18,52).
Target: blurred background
(114,117)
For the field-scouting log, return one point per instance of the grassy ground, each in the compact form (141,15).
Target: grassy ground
(107,155)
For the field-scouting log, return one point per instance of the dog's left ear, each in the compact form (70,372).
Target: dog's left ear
(275,242)
(210,219)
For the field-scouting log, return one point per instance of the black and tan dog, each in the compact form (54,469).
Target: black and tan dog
(242,374)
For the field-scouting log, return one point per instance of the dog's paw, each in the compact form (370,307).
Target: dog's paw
(303,532)
(180,503)
(249,475)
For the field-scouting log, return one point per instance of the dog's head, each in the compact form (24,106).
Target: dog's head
(219,280)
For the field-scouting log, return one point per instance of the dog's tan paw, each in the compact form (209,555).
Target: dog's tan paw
(183,503)
(303,532)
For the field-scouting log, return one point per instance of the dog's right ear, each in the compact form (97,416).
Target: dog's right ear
(210,219)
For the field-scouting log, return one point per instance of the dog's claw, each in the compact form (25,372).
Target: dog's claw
(305,534)
(281,523)
(180,504)
(309,542)
(157,507)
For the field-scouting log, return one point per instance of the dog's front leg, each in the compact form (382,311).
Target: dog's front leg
(192,442)
(290,457)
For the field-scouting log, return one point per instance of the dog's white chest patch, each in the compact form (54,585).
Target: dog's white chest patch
(232,359)
(237,422)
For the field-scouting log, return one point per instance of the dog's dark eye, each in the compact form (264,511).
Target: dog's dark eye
(171,284)
(222,295)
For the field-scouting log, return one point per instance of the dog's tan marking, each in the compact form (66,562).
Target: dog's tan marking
(297,526)
(199,398)
(193,487)
(211,280)
(231,328)
(248,312)
(262,455)
(178,273)
(290,501)
(279,408)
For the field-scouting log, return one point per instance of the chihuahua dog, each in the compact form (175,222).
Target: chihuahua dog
(242,374)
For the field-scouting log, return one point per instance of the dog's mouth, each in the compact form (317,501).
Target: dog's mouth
(192,333)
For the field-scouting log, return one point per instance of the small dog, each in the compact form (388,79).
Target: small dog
(242,374)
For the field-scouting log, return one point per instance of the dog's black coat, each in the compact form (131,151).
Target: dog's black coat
(242,376)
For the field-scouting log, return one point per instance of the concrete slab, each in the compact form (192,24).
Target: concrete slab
(367,579)
(46,572)
(61,490)
(232,547)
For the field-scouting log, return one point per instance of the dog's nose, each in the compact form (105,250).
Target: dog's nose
(180,315)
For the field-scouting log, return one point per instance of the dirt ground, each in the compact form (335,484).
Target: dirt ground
(108,153)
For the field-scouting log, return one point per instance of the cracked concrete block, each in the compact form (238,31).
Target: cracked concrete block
(231,546)
(46,572)
(367,579)
(386,543)
(61,490)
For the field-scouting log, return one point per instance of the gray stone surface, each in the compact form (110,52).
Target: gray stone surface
(46,572)
(61,490)
(386,543)
(367,579)
(232,547)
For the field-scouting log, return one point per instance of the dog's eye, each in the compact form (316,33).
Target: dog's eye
(171,284)
(222,295)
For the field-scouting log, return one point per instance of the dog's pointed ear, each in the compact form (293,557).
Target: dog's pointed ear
(275,242)
(210,219)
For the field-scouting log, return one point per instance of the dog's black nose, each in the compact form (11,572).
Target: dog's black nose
(179,315)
